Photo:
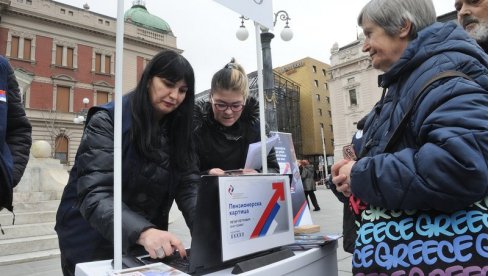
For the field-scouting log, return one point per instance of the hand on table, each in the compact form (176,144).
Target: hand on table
(159,243)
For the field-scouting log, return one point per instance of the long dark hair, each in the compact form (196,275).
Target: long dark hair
(145,131)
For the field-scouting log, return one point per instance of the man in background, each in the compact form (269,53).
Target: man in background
(473,17)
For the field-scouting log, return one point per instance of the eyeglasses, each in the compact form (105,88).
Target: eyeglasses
(224,107)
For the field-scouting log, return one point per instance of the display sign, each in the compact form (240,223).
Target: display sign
(285,155)
(261,11)
(256,214)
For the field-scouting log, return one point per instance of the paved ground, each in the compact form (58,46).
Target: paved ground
(329,218)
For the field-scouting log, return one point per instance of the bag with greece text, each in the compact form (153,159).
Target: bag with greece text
(420,242)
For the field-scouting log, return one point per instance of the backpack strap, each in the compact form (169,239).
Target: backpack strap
(398,132)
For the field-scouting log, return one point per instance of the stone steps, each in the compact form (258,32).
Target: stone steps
(21,218)
(32,237)
(28,257)
(27,230)
(29,244)
(47,205)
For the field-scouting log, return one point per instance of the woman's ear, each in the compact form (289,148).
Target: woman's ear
(405,30)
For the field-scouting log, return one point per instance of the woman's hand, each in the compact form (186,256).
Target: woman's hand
(341,176)
(160,244)
(249,171)
(216,171)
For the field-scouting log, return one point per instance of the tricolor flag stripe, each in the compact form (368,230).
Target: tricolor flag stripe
(3,96)
(270,219)
(299,215)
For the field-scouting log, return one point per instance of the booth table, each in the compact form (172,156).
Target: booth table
(311,262)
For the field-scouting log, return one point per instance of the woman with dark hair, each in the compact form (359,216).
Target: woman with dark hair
(158,166)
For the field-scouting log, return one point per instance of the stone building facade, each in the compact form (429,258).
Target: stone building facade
(64,60)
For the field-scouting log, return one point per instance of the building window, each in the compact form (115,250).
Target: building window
(63,11)
(102,64)
(326,86)
(320,111)
(324,72)
(314,68)
(14,50)
(100,21)
(328,100)
(330,113)
(331,128)
(318,97)
(321,125)
(353,100)
(107,23)
(70,13)
(316,82)
(20,46)
(62,98)
(27,48)
(107,64)
(65,56)
(98,63)
(69,57)
(102,97)
(61,149)
(28,2)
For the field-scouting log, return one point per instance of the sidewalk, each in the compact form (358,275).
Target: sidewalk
(329,218)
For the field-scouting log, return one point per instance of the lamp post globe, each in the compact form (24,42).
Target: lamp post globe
(242,33)
(86,101)
(286,34)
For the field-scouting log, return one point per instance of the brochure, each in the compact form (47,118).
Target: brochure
(155,269)
(307,241)
(253,159)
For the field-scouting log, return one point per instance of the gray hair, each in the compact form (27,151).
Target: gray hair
(391,15)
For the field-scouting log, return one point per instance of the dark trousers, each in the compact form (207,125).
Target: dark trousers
(67,267)
(311,194)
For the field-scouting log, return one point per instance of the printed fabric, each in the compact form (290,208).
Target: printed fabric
(423,242)
(422,208)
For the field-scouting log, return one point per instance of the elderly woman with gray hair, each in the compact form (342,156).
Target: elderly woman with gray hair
(420,183)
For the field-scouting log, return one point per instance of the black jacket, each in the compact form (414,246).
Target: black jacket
(84,221)
(226,147)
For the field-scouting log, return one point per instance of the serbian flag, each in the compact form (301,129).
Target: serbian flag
(3,96)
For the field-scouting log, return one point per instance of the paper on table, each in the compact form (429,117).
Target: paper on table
(253,159)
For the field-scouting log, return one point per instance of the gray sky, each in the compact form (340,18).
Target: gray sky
(205,30)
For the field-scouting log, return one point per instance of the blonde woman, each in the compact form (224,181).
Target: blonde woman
(226,123)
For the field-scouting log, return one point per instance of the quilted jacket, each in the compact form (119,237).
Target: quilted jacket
(84,221)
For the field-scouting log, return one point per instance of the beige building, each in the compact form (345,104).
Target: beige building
(315,105)
(64,59)
(353,88)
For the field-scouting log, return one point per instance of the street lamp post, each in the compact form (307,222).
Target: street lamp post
(268,77)
(81,116)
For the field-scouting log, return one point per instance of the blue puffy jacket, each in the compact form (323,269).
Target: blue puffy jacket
(440,162)
(15,134)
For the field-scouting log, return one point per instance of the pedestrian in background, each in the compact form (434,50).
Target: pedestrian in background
(309,186)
